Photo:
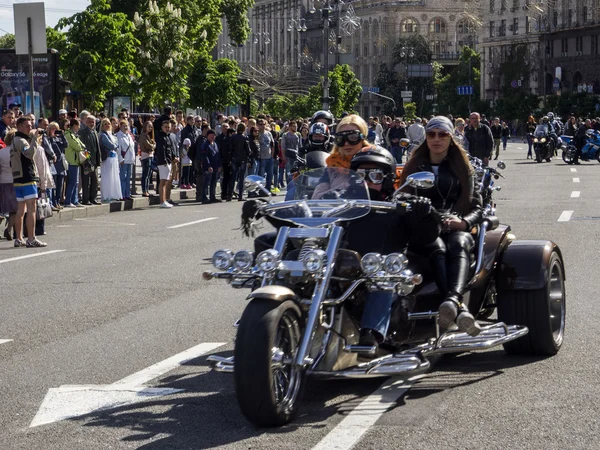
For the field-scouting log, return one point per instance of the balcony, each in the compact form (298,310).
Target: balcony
(447,58)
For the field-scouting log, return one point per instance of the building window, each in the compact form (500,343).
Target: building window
(570,18)
(356,51)
(366,50)
(579,44)
(437,26)
(492,28)
(503,5)
(516,25)
(502,31)
(550,50)
(492,6)
(564,47)
(594,44)
(527,25)
(555,19)
(409,26)
(438,47)
(584,14)
(516,4)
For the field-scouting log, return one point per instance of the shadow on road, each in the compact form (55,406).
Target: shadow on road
(206,415)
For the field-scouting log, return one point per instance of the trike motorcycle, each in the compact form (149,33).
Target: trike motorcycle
(307,296)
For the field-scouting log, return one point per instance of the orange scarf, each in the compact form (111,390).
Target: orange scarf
(336,159)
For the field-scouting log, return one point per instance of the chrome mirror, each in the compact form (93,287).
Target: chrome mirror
(421,180)
(254,183)
(501,165)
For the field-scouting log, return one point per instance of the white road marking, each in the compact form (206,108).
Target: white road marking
(350,430)
(108,222)
(69,401)
(573,169)
(520,148)
(575,180)
(5,341)
(565,216)
(32,255)
(575,194)
(192,223)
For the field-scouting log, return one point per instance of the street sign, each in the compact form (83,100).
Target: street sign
(370,89)
(406,94)
(513,84)
(34,12)
(464,90)
(556,84)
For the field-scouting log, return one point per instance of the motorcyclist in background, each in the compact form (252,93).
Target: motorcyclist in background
(556,129)
(319,138)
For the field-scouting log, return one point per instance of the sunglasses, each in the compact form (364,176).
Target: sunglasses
(353,137)
(375,176)
(440,134)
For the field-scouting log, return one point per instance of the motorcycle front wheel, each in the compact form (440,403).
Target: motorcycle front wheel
(538,155)
(268,386)
(568,155)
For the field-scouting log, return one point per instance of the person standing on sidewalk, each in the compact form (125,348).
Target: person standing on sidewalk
(126,155)
(147,147)
(110,186)
(496,129)
(89,137)
(240,149)
(25,179)
(505,135)
(266,144)
(74,148)
(166,153)
(290,146)
(211,166)
(223,141)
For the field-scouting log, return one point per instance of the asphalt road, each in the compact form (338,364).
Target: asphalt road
(124,293)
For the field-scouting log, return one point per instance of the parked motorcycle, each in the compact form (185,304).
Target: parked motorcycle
(302,318)
(590,151)
(543,144)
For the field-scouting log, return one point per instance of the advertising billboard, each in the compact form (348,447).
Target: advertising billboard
(15,86)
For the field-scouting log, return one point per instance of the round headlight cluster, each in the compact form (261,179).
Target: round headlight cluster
(395,263)
(222,259)
(371,263)
(243,260)
(268,261)
(543,140)
(314,260)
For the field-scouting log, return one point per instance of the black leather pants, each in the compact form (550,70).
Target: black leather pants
(450,257)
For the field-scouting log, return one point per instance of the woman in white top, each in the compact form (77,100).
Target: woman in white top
(110,184)
(8,199)
(126,156)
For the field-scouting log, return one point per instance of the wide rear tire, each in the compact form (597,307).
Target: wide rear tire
(268,390)
(541,310)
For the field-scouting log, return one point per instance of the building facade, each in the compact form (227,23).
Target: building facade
(288,39)
(558,37)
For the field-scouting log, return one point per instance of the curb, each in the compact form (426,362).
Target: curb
(67,214)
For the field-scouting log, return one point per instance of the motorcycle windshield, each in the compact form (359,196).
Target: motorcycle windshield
(324,196)
(541,130)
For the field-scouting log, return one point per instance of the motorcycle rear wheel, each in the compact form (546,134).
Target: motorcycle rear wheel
(543,311)
(268,386)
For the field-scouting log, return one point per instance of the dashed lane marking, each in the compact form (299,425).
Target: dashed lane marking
(5,341)
(575,180)
(565,216)
(192,223)
(354,426)
(32,255)
(108,222)
(575,194)
(573,169)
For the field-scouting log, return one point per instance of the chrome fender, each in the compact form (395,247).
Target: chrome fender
(275,293)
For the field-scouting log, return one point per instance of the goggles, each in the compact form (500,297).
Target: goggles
(440,134)
(375,176)
(353,137)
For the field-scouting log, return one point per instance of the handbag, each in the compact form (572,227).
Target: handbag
(88,167)
(65,163)
(43,210)
(82,157)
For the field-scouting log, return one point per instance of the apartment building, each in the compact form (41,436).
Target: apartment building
(288,41)
(559,38)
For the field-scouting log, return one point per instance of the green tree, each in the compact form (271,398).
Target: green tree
(279,105)
(215,84)
(7,40)
(464,74)
(99,52)
(345,89)
(410,111)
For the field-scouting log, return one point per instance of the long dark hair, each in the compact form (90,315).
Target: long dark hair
(151,133)
(459,166)
(251,134)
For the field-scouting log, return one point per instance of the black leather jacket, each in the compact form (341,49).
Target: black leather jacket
(447,190)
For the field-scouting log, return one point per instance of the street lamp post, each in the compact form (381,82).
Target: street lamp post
(408,52)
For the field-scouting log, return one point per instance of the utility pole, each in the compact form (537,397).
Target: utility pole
(469,83)
(325,16)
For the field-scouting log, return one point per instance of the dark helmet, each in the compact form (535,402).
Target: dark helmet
(319,128)
(316,159)
(322,115)
(380,157)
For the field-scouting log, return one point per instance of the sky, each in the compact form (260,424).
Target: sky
(55,10)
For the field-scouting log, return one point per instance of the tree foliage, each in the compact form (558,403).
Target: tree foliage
(215,84)
(99,51)
(235,12)
(7,41)
(345,89)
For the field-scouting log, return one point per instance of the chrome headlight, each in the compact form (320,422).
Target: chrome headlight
(371,263)
(314,260)
(243,260)
(543,140)
(268,261)
(536,140)
(222,259)
(395,263)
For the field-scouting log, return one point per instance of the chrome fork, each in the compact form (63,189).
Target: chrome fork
(302,359)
